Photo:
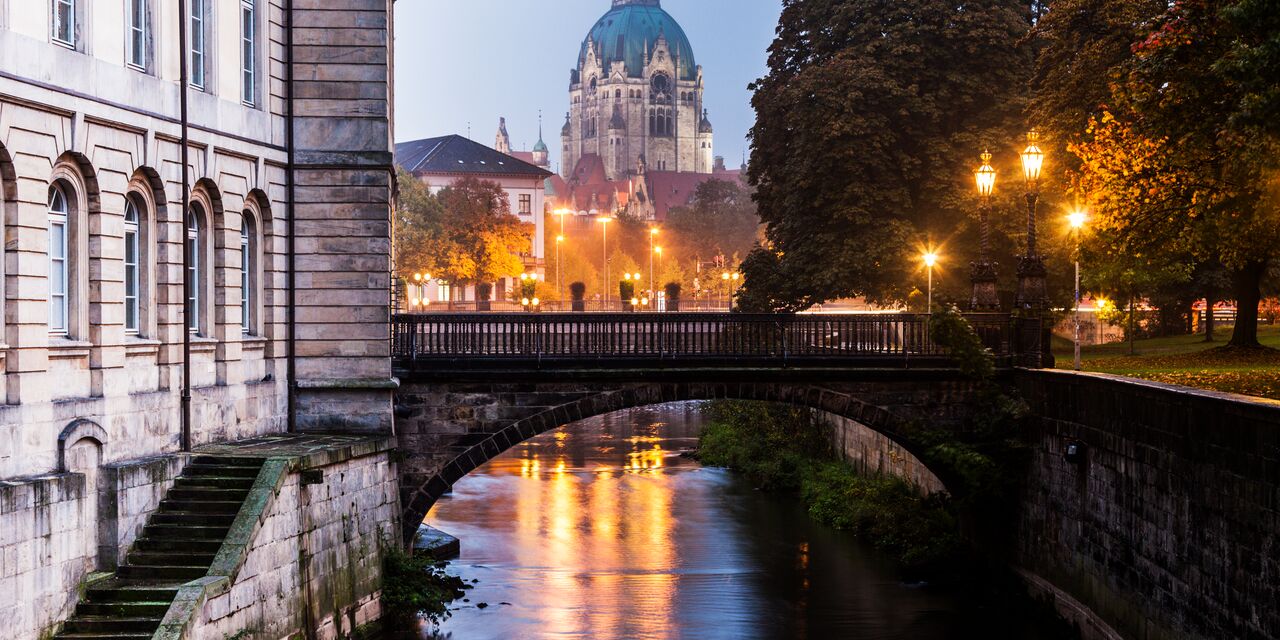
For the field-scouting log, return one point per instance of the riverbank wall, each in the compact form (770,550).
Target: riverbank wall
(1152,511)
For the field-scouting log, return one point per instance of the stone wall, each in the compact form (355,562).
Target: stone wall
(1168,526)
(44,551)
(129,492)
(312,560)
(873,453)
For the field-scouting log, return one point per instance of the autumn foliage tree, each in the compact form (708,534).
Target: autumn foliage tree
(1177,161)
(465,233)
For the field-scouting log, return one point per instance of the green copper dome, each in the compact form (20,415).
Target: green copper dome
(631,28)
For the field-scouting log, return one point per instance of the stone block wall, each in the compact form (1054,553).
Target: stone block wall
(314,561)
(1168,526)
(873,453)
(129,493)
(44,551)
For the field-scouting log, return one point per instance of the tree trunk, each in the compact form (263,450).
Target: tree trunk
(1248,287)
(1210,299)
(1132,347)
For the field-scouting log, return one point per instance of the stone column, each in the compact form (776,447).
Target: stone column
(343,180)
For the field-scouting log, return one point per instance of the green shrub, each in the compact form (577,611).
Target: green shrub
(416,585)
(949,330)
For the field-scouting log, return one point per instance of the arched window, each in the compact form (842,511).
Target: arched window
(195,266)
(59,219)
(132,266)
(618,94)
(248,272)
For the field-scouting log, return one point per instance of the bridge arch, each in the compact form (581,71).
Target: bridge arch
(497,417)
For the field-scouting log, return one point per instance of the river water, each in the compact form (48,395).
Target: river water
(600,530)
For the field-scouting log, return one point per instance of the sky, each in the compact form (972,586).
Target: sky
(468,62)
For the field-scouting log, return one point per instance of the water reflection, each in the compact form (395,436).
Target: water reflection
(601,530)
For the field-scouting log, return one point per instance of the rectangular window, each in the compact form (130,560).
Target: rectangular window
(137,34)
(248,51)
(131,278)
(64,22)
(526,205)
(197,42)
(58,275)
(193,272)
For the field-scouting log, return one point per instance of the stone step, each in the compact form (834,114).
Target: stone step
(92,635)
(124,609)
(169,505)
(217,482)
(119,592)
(193,518)
(185,532)
(112,624)
(236,461)
(165,572)
(195,470)
(171,558)
(184,545)
(208,494)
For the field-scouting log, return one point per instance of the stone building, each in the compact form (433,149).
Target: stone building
(636,96)
(288,322)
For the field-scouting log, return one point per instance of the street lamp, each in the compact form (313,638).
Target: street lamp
(732,280)
(1031,270)
(930,261)
(1077,220)
(560,213)
(604,241)
(653,234)
(983,273)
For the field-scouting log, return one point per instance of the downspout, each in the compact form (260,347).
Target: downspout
(291,362)
(185,327)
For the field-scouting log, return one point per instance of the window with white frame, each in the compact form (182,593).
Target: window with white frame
(194,268)
(248,52)
(59,213)
(132,260)
(64,22)
(247,267)
(136,32)
(526,204)
(196,40)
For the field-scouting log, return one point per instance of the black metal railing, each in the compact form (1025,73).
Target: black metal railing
(693,338)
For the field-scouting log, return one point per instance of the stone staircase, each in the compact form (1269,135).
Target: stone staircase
(177,546)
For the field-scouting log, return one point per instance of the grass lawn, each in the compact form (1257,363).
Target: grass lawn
(1189,361)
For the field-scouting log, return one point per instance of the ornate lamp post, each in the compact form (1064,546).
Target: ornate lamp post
(983,273)
(1031,270)
(1077,220)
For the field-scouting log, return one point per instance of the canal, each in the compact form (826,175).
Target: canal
(602,530)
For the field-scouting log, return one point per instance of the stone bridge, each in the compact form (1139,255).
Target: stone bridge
(475,385)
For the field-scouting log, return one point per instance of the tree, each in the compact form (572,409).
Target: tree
(1178,162)
(465,233)
(721,220)
(868,122)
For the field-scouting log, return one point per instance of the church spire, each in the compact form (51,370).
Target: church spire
(502,141)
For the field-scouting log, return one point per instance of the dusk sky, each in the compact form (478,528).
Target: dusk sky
(471,61)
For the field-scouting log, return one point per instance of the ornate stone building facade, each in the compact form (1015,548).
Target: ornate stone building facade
(285,236)
(636,96)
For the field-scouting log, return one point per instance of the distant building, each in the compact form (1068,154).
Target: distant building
(440,162)
(636,92)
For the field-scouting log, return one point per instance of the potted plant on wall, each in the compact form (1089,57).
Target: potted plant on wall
(672,290)
(579,292)
(484,296)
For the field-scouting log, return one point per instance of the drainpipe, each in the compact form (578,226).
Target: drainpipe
(291,362)
(184,60)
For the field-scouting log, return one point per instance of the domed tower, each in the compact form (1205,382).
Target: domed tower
(706,150)
(637,90)
(541,154)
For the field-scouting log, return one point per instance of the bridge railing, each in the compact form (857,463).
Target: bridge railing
(890,339)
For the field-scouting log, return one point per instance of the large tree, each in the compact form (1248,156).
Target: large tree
(465,233)
(1178,162)
(868,124)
